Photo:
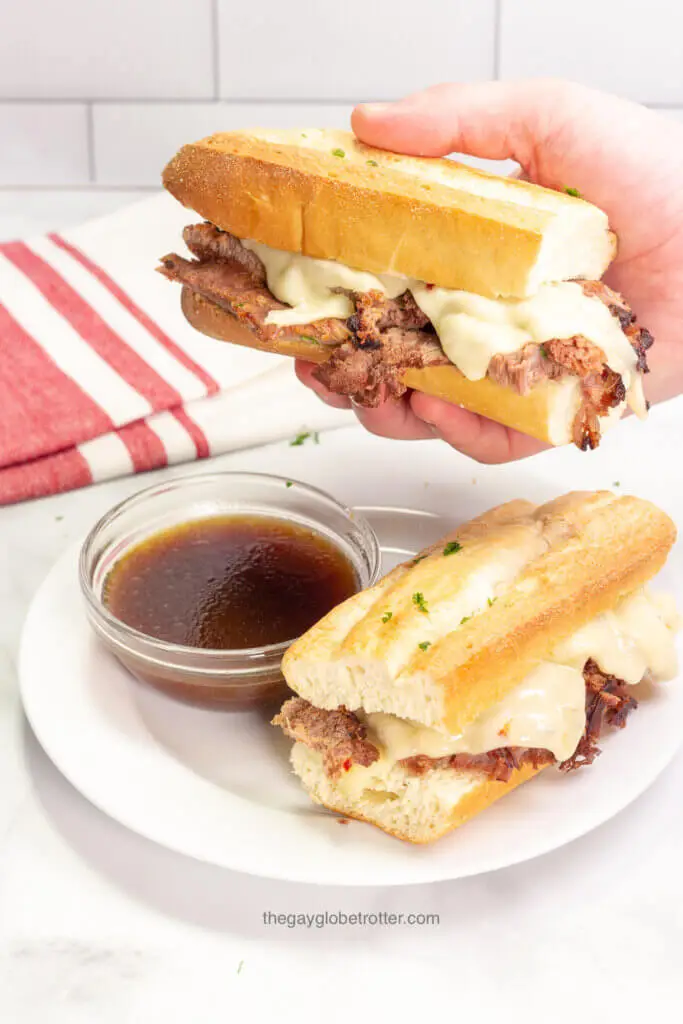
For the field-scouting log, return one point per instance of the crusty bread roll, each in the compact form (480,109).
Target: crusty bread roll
(417,809)
(551,567)
(450,639)
(546,412)
(433,219)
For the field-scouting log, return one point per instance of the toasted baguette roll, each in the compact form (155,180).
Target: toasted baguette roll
(416,809)
(524,578)
(547,412)
(432,219)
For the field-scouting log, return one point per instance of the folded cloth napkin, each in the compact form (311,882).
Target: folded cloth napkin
(101,376)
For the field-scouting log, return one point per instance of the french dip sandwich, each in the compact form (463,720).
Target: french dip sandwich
(395,272)
(510,646)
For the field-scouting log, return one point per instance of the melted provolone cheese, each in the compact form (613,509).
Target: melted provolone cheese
(308,285)
(547,710)
(471,328)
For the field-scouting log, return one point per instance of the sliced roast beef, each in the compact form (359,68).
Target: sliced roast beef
(384,337)
(342,740)
(371,374)
(337,735)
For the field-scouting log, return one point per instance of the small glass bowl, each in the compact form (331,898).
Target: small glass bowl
(230,679)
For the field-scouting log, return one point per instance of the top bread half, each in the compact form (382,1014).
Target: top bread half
(327,195)
(446,636)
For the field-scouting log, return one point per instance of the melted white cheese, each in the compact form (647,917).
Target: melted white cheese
(547,710)
(471,328)
(308,285)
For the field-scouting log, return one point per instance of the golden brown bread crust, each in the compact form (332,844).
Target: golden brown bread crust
(306,200)
(617,546)
(528,413)
(568,561)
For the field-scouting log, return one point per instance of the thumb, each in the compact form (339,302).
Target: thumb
(497,120)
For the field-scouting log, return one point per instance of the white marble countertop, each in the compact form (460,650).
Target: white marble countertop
(99,925)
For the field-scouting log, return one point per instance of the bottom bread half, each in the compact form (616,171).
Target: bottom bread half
(546,412)
(415,808)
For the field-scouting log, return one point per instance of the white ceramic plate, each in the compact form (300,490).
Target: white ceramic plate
(216,785)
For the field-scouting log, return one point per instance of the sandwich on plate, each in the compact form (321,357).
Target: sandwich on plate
(511,646)
(395,272)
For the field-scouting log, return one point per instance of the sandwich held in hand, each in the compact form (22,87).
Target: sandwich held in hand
(514,644)
(395,272)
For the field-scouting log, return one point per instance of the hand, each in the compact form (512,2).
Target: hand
(624,158)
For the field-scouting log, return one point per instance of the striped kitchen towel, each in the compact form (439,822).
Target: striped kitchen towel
(101,376)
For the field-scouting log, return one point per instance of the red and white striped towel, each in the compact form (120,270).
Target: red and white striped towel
(100,375)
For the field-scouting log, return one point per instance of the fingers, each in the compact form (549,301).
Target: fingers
(473,435)
(304,372)
(394,418)
(497,120)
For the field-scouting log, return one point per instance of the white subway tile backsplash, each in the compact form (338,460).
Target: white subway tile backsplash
(624,46)
(43,144)
(84,49)
(355,49)
(133,142)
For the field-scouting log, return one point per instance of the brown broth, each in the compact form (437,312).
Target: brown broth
(229,582)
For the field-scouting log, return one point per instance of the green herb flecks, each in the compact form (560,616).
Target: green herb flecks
(372,163)
(387,616)
(418,559)
(491,601)
(452,547)
(544,351)
(425,645)
(308,337)
(289,483)
(617,483)
(419,602)
(240,966)
(573,192)
(303,437)
(339,152)
(464,619)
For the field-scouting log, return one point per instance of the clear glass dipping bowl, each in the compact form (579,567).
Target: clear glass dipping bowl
(229,679)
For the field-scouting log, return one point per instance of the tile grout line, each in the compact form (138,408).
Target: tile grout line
(215,49)
(90,141)
(498,13)
(160,101)
(88,187)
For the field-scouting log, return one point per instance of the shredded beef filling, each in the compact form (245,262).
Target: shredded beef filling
(384,337)
(337,735)
(342,739)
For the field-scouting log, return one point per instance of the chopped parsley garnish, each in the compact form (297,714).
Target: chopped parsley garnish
(304,135)
(372,163)
(544,351)
(464,619)
(616,483)
(452,547)
(300,438)
(425,645)
(573,192)
(419,558)
(339,152)
(238,305)
(240,966)
(491,600)
(289,483)
(419,602)
(387,616)
(308,337)
(58,519)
